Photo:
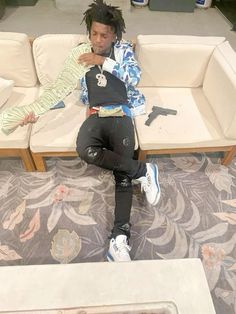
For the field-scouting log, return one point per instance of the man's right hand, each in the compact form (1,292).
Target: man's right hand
(91,58)
(29,118)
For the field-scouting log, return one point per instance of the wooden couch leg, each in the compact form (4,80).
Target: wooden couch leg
(39,162)
(142,155)
(229,155)
(27,160)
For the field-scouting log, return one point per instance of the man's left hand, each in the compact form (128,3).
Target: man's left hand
(91,58)
(29,118)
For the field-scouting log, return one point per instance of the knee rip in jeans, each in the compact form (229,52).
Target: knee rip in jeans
(92,153)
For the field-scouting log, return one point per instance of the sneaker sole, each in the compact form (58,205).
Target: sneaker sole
(158,186)
(109,258)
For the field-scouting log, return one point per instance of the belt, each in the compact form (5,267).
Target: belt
(93,110)
(125,109)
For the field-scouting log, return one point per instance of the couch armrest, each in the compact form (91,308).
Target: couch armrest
(219,87)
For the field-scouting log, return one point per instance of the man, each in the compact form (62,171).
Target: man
(106,138)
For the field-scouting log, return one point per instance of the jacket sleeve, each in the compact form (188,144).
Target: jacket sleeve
(83,92)
(127,70)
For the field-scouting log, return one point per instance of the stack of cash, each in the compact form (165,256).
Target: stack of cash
(65,83)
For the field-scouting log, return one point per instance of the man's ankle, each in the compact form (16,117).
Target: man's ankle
(121,229)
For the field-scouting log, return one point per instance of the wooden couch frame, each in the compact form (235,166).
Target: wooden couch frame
(229,152)
(39,160)
(23,153)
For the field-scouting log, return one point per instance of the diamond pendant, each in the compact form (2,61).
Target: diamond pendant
(102,81)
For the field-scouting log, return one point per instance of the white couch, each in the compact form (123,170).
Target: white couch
(194,75)
(16,63)
(197,77)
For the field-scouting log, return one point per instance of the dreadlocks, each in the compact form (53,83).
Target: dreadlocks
(102,13)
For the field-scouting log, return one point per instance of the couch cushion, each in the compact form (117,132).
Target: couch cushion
(16,60)
(220,87)
(57,130)
(20,137)
(174,61)
(195,124)
(50,52)
(6,87)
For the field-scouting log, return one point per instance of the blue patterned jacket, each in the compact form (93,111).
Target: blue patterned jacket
(126,68)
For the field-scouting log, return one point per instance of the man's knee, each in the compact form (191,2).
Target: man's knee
(90,154)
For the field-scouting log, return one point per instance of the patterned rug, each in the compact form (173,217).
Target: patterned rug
(65,216)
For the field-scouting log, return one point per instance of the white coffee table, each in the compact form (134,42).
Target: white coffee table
(150,286)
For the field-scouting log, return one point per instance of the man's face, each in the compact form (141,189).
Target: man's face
(101,37)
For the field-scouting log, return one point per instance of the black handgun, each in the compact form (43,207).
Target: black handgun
(157,111)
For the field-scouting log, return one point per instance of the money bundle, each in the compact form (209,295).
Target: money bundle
(65,83)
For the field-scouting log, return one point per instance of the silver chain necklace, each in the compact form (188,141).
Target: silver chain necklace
(102,80)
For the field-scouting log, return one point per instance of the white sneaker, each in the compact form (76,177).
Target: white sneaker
(150,184)
(119,249)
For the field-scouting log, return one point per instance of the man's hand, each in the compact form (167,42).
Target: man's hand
(30,118)
(91,58)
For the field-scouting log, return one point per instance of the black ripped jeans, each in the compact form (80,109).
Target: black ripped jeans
(109,143)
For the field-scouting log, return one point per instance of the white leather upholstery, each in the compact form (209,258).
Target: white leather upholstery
(197,77)
(194,125)
(220,88)
(16,60)
(174,61)
(16,64)
(50,52)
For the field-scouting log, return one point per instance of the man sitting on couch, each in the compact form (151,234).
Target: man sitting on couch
(106,138)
